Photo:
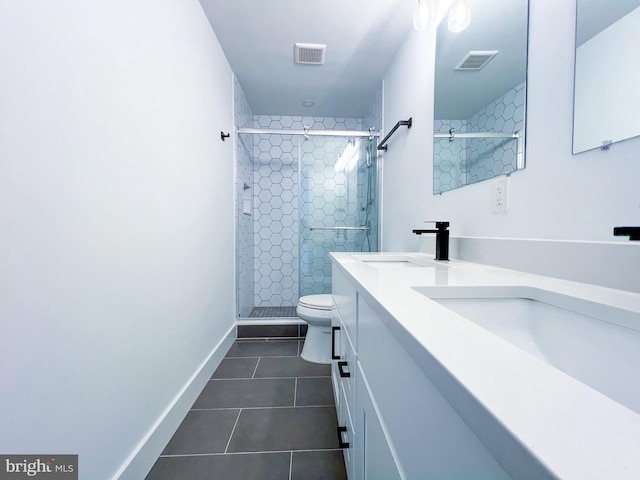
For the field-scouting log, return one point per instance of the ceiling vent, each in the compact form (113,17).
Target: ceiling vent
(476,59)
(309,53)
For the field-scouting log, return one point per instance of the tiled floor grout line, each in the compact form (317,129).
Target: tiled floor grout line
(260,408)
(267,378)
(269,339)
(295,391)
(290,464)
(264,356)
(256,369)
(250,453)
(232,431)
(255,356)
(283,339)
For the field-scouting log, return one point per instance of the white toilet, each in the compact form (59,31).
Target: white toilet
(316,311)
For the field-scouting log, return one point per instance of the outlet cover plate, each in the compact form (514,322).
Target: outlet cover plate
(500,195)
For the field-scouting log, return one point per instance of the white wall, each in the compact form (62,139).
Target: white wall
(407,180)
(558,195)
(116,207)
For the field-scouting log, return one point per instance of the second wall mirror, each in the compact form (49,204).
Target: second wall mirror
(607,73)
(480,95)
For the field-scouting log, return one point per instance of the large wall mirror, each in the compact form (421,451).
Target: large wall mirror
(480,95)
(607,73)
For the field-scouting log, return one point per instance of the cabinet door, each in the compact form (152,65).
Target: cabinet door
(336,349)
(347,436)
(344,298)
(344,389)
(430,438)
(344,359)
(374,454)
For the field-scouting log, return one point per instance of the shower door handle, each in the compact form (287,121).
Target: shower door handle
(333,343)
(338,228)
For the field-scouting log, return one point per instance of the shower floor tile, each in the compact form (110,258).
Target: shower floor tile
(273,312)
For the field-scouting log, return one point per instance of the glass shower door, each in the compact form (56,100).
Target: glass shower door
(338,205)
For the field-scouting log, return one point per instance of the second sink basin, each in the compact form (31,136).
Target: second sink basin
(596,344)
(395,261)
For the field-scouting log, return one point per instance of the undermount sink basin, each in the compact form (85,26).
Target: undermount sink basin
(395,261)
(597,344)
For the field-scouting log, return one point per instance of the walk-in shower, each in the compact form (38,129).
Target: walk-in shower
(301,194)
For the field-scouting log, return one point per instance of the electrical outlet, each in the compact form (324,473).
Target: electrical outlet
(500,195)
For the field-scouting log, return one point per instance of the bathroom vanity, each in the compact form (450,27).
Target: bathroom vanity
(454,370)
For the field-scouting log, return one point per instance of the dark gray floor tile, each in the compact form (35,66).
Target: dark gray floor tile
(246,393)
(203,431)
(263,349)
(236,368)
(270,429)
(326,465)
(290,367)
(314,391)
(255,466)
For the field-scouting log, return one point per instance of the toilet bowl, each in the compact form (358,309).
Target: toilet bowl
(316,311)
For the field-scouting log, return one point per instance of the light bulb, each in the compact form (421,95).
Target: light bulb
(459,15)
(421,15)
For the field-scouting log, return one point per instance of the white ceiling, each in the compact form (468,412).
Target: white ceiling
(596,15)
(258,37)
(362,37)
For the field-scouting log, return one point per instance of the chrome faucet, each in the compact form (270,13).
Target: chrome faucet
(442,239)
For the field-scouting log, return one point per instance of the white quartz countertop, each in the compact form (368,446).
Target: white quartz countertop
(570,428)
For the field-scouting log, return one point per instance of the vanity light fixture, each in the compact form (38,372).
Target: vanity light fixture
(421,14)
(459,15)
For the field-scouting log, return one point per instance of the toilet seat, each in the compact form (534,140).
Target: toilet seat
(321,302)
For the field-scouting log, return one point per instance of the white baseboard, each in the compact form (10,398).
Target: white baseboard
(142,459)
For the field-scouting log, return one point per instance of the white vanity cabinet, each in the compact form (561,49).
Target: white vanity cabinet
(367,452)
(399,424)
